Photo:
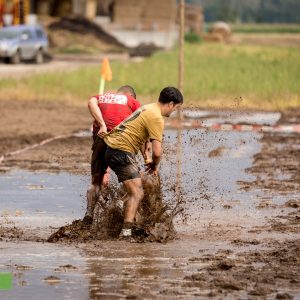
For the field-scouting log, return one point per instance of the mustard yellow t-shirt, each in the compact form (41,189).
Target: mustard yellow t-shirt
(145,123)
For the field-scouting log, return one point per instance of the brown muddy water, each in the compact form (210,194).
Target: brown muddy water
(221,251)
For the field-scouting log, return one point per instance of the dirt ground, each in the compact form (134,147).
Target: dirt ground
(272,269)
(26,123)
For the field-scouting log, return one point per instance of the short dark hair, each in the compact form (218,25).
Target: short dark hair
(127,89)
(170,94)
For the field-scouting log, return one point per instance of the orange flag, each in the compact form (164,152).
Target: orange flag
(106,70)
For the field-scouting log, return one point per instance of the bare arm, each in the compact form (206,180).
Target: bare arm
(156,155)
(97,115)
(146,151)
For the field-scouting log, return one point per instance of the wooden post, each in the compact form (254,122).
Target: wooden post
(181,49)
(180,87)
(91,9)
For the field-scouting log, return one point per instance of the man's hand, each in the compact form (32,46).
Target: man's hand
(152,168)
(96,113)
(102,131)
(146,152)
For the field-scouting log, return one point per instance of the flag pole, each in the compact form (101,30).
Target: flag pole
(106,74)
(181,51)
(101,85)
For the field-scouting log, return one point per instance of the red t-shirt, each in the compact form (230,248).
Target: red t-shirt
(115,108)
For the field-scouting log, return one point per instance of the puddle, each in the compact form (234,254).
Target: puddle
(233,117)
(106,270)
(32,263)
(42,198)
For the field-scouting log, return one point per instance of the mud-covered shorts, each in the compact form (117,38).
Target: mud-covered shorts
(98,163)
(122,163)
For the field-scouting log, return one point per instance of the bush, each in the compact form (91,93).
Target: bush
(192,37)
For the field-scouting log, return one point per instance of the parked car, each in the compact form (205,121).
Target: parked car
(23,42)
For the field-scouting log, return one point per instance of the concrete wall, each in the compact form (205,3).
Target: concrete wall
(91,9)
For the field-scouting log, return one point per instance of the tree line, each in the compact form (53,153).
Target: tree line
(247,11)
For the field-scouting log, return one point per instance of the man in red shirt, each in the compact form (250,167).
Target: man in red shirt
(108,110)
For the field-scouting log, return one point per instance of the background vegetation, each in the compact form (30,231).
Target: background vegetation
(262,11)
(216,75)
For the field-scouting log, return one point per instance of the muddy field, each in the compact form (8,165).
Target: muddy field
(25,123)
(239,238)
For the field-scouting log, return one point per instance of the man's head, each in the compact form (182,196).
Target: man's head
(170,99)
(127,89)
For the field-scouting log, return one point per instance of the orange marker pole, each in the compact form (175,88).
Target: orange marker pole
(106,74)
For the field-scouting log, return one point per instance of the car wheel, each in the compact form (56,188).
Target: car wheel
(16,58)
(39,57)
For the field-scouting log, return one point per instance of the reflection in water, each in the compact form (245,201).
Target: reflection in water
(143,270)
(31,263)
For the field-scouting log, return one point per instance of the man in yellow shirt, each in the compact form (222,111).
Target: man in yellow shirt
(124,142)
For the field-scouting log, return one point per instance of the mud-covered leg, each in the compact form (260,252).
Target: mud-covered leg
(92,196)
(135,194)
(98,170)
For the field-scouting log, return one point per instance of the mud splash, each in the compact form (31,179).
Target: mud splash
(154,220)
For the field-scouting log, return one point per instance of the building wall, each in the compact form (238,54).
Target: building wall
(124,14)
(60,8)
(194,18)
(105,7)
(138,14)
(90,9)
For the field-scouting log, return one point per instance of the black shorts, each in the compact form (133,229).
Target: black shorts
(98,163)
(122,163)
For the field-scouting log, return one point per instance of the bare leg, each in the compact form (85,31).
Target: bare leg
(135,195)
(92,195)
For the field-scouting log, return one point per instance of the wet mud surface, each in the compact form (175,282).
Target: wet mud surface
(276,169)
(154,220)
(26,123)
(238,238)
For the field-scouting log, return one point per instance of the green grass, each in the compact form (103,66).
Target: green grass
(266,28)
(216,75)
